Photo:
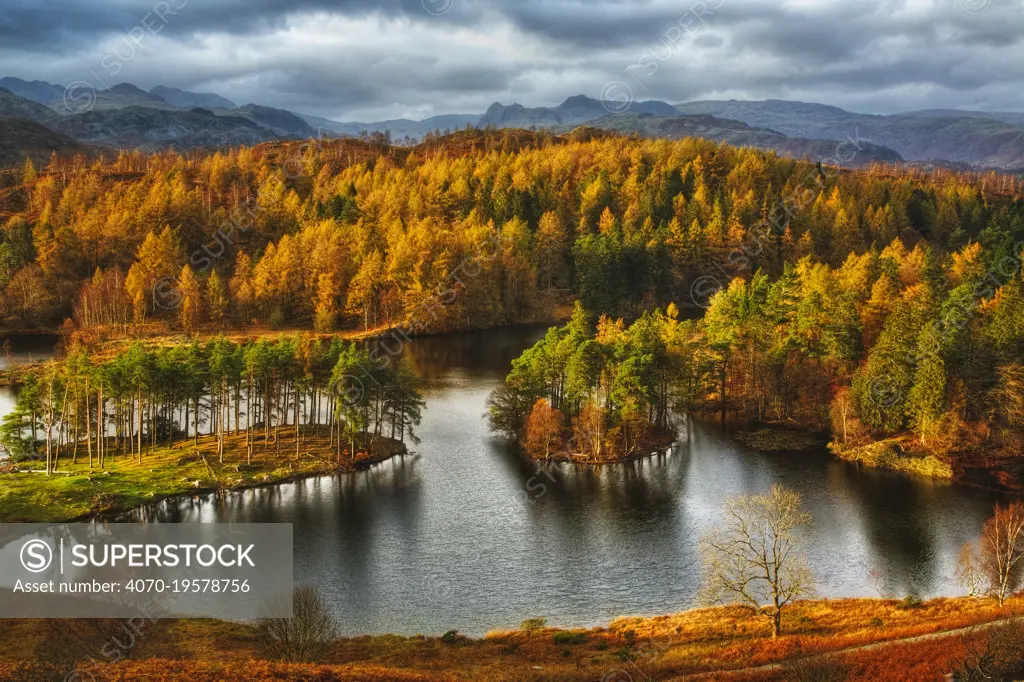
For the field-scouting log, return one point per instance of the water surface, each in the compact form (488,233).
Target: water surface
(465,534)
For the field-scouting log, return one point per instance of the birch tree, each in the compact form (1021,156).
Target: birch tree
(752,556)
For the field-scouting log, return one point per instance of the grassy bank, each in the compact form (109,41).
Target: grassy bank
(716,640)
(890,454)
(76,491)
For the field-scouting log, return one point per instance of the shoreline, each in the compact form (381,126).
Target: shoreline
(359,465)
(886,455)
(10,376)
(117,493)
(889,455)
(651,448)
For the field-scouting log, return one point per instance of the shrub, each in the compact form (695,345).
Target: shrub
(533,624)
(450,637)
(569,637)
(815,669)
(305,637)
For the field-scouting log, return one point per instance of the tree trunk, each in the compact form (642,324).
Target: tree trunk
(141,412)
(100,426)
(88,424)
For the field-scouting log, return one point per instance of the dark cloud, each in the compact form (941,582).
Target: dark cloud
(45,25)
(359,59)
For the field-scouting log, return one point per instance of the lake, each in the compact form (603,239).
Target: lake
(464,534)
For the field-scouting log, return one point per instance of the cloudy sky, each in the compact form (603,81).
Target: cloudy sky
(363,60)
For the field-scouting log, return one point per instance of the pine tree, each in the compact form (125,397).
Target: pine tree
(927,399)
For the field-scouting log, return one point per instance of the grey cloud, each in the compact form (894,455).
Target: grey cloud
(47,25)
(874,54)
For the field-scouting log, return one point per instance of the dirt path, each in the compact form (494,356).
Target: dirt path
(770,667)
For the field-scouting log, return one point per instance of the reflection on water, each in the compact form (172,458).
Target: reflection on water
(21,350)
(26,349)
(465,534)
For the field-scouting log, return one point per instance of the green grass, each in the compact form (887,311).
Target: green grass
(75,490)
(889,454)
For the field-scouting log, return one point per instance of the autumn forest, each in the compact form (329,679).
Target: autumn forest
(869,305)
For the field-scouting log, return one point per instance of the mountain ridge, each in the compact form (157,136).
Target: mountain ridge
(188,100)
(574,110)
(957,138)
(739,134)
(979,139)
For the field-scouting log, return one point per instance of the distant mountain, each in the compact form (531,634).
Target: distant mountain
(40,92)
(281,121)
(442,122)
(154,129)
(740,134)
(326,125)
(126,115)
(1012,117)
(20,138)
(399,128)
(118,97)
(976,138)
(184,99)
(802,119)
(573,111)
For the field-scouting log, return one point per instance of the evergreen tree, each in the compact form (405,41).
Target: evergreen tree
(927,399)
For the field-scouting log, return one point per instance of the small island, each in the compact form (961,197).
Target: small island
(596,396)
(99,433)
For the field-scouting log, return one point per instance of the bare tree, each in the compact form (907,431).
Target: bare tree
(752,556)
(307,636)
(969,570)
(1002,550)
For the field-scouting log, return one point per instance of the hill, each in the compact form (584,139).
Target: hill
(20,138)
(15,106)
(280,121)
(154,129)
(740,134)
